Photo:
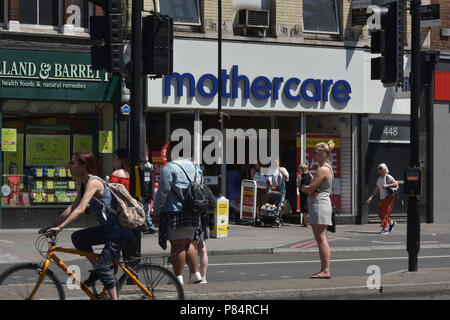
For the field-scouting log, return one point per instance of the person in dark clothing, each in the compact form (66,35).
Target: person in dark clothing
(304,179)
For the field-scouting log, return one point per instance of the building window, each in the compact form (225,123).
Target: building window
(51,13)
(42,12)
(320,16)
(2,11)
(182,11)
(79,13)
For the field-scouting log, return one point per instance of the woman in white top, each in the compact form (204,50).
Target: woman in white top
(386,203)
(278,176)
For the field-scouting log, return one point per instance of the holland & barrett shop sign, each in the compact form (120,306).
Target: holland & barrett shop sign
(54,76)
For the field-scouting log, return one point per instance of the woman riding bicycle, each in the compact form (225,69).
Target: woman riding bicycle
(110,232)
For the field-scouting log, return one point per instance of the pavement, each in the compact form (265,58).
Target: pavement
(290,238)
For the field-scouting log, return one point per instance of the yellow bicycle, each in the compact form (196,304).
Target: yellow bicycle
(141,279)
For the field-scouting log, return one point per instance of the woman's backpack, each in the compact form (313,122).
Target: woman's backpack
(130,211)
(199,199)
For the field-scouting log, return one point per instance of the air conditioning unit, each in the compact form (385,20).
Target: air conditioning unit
(251,18)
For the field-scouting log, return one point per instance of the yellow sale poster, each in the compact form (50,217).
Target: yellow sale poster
(82,143)
(9,140)
(105,142)
(47,150)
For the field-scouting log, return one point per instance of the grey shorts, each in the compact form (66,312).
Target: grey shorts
(181,233)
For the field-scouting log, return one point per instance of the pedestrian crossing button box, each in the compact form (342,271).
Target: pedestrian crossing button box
(412,181)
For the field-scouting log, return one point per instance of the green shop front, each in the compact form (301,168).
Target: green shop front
(52,104)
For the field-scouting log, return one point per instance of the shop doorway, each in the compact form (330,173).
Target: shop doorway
(396,157)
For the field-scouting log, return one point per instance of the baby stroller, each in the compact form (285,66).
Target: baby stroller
(271,212)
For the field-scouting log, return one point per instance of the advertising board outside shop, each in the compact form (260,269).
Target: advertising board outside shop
(248,200)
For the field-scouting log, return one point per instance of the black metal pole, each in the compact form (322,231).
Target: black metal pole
(223,170)
(413,219)
(137,116)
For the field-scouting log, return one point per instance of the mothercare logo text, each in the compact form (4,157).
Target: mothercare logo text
(261,87)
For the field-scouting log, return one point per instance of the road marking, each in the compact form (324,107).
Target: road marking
(6,241)
(315,244)
(387,242)
(315,261)
(310,243)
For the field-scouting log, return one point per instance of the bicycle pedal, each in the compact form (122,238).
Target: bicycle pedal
(93,277)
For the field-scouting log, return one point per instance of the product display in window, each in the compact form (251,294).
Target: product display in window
(52,185)
(39,186)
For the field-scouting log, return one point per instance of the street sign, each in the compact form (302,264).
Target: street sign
(125,110)
(430,16)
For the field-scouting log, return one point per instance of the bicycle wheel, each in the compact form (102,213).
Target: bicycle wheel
(17,283)
(162,284)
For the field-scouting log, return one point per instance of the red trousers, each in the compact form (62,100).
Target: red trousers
(385,209)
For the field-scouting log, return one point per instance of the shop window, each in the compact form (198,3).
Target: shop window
(156,131)
(322,128)
(42,12)
(320,16)
(182,11)
(38,140)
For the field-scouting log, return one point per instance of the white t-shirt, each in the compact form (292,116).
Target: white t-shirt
(277,177)
(381,182)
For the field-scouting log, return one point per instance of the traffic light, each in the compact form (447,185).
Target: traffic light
(157,44)
(108,27)
(389,41)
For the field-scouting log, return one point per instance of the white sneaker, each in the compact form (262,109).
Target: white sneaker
(203,280)
(180,278)
(195,278)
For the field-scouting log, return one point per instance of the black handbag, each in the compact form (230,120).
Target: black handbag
(332,228)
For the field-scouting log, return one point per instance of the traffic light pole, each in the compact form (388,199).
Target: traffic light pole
(413,219)
(137,116)
(223,168)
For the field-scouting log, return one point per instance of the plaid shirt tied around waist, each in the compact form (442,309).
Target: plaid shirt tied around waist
(176,220)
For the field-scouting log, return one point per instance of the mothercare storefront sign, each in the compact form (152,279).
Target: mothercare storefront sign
(261,77)
(53,76)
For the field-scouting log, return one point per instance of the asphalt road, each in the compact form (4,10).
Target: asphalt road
(303,265)
(254,267)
